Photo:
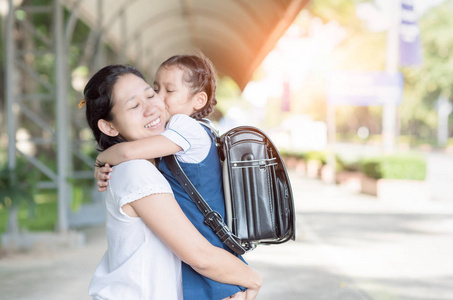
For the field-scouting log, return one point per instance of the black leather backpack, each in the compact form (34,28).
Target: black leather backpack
(259,201)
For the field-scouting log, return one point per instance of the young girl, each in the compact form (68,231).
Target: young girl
(147,232)
(187,84)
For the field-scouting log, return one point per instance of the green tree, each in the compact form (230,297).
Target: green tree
(17,188)
(434,78)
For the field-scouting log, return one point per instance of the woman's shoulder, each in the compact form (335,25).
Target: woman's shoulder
(136,172)
(136,165)
(135,179)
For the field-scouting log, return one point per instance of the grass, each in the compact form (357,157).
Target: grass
(41,217)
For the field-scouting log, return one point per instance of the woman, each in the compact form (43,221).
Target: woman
(187,85)
(147,232)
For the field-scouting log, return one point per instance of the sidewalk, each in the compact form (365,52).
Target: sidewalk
(352,246)
(349,247)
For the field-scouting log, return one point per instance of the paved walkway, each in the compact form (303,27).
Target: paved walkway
(349,247)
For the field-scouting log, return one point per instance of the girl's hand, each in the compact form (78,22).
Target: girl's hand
(102,176)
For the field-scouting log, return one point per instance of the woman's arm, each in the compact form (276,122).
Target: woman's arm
(165,218)
(146,148)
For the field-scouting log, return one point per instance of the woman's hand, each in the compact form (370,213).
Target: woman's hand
(101,174)
(237,296)
(163,215)
(250,294)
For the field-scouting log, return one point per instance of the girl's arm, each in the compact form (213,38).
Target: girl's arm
(102,176)
(165,218)
(146,148)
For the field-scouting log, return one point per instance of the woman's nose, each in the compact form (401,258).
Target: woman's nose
(149,107)
(151,104)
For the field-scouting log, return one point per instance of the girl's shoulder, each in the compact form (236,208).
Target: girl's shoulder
(182,121)
(191,136)
(189,128)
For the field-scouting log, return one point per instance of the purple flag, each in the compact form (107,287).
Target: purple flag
(410,43)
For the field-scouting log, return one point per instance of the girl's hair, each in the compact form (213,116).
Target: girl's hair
(199,75)
(99,101)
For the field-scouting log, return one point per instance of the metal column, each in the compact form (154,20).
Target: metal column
(63,121)
(98,56)
(10,115)
(9,87)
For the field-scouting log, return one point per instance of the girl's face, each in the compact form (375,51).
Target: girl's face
(138,111)
(169,84)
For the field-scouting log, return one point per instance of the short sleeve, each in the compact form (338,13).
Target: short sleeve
(190,135)
(135,179)
(176,130)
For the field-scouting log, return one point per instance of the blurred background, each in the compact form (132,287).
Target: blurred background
(355,93)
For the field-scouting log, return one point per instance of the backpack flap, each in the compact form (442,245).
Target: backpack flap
(284,199)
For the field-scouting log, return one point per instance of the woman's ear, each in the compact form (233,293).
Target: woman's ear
(107,128)
(200,101)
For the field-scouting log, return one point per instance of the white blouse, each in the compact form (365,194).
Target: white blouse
(137,264)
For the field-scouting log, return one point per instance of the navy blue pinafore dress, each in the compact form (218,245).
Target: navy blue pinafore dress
(205,176)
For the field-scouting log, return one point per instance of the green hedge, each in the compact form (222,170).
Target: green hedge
(292,153)
(316,155)
(396,166)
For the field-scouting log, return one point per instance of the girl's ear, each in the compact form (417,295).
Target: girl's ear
(107,128)
(200,101)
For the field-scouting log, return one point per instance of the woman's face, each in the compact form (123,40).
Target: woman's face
(138,111)
(170,85)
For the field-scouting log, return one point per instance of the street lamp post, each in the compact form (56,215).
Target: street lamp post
(392,63)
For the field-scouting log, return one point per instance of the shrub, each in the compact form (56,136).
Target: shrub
(348,165)
(316,155)
(291,153)
(396,166)
(18,186)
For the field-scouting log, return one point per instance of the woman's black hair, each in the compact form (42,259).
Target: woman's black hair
(99,102)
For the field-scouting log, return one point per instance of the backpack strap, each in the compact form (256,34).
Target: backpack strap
(211,218)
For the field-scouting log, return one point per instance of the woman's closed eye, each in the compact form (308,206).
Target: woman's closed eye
(133,105)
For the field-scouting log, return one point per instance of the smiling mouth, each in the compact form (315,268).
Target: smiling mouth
(153,123)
